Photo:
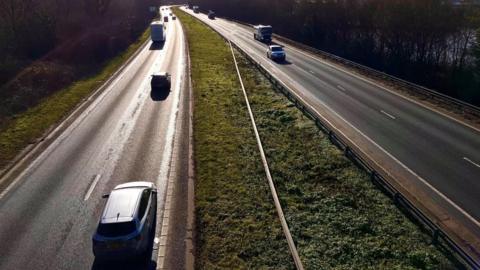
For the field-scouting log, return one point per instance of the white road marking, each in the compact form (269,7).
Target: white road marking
(341,88)
(92,186)
(311,71)
(387,114)
(470,161)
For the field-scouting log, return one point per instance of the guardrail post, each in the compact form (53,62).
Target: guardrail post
(347,151)
(436,233)
(396,198)
(330,135)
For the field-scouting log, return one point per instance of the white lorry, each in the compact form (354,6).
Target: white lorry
(263,33)
(157,32)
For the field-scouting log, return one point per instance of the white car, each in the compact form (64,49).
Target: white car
(127,225)
(276,52)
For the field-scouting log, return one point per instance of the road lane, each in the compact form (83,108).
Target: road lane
(49,216)
(421,147)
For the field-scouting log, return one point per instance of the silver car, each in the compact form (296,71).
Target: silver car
(127,225)
(276,52)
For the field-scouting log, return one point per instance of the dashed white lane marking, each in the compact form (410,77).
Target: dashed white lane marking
(92,186)
(471,162)
(341,88)
(387,114)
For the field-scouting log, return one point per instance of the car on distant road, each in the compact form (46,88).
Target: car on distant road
(165,18)
(127,225)
(174,18)
(161,81)
(211,15)
(276,53)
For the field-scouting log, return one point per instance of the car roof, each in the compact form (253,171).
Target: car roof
(275,46)
(143,184)
(122,204)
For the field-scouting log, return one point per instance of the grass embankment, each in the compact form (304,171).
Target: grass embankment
(26,127)
(338,218)
(237,226)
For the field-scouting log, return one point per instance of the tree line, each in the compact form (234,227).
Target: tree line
(430,42)
(31,29)
(46,45)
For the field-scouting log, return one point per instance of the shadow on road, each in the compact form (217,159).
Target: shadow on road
(284,62)
(158,45)
(131,265)
(158,94)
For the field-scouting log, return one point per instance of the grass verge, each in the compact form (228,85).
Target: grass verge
(337,217)
(28,126)
(237,226)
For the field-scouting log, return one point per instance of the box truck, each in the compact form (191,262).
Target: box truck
(157,31)
(263,33)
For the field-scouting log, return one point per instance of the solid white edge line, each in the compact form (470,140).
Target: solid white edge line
(92,187)
(286,230)
(387,114)
(472,162)
(443,196)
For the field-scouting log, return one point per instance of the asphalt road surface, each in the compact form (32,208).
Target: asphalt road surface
(433,156)
(50,213)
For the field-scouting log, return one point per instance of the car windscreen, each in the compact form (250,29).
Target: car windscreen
(277,49)
(116,229)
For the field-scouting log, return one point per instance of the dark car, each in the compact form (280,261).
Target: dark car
(127,224)
(161,81)
(211,15)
